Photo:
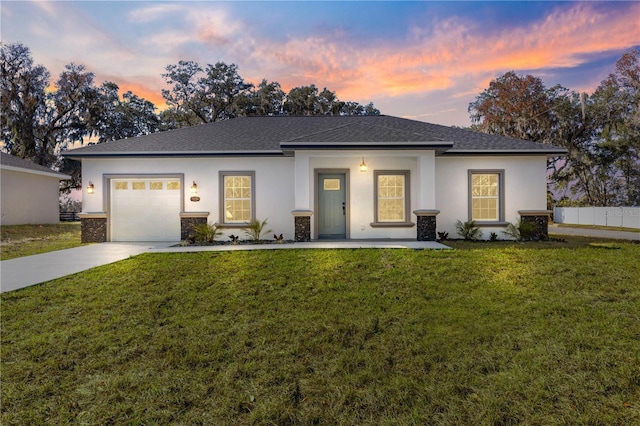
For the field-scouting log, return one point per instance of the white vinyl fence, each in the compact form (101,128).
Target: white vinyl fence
(625,217)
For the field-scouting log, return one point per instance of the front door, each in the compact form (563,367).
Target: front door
(332,206)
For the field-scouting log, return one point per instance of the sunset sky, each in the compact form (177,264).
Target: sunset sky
(422,60)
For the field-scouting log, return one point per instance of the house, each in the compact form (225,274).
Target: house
(351,177)
(29,192)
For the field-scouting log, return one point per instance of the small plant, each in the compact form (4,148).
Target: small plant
(278,238)
(468,230)
(521,231)
(256,229)
(206,232)
(493,237)
(443,236)
(234,239)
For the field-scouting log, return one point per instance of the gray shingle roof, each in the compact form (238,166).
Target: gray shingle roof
(10,161)
(279,135)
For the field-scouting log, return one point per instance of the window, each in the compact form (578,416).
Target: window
(391,197)
(122,186)
(138,185)
(173,185)
(237,197)
(486,195)
(155,185)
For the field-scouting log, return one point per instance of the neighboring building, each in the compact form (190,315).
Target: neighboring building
(29,192)
(303,174)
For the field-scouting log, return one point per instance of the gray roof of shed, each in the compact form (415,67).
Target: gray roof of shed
(12,162)
(281,135)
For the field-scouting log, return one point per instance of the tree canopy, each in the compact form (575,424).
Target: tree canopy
(38,120)
(601,131)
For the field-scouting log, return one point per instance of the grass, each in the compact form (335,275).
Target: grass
(509,334)
(25,240)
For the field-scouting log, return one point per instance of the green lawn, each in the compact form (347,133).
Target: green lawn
(25,240)
(497,336)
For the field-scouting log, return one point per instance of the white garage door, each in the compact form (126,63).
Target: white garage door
(145,209)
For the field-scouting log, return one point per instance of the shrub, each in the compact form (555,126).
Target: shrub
(205,232)
(442,236)
(521,231)
(468,230)
(256,229)
(493,237)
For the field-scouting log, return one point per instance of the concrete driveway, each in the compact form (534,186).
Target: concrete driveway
(26,271)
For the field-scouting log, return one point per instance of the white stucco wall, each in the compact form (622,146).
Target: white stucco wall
(284,184)
(420,165)
(273,180)
(525,188)
(28,198)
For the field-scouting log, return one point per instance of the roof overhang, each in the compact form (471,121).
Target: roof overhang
(156,154)
(52,174)
(551,152)
(288,148)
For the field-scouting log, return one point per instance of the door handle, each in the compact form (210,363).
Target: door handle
(344,209)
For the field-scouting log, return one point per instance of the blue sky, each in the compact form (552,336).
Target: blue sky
(424,60)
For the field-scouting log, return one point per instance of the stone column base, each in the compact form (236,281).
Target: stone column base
(93,227)
(302,225)
(188,222)
(426,227)
(540,221)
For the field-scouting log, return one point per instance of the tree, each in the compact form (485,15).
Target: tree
(125,117)
(601,132)
(306,100)
(268,99)
(199,95)
(37,123)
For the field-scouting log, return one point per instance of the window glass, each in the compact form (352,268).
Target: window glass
(173,184)
(122,186)
(331,184)
(485,205)
(155,185)
(138,185)
(391,194)
(237,199)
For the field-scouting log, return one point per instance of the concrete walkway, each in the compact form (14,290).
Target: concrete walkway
(597,233)
(26,271)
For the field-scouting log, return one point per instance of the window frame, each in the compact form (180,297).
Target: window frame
(223,217)
(500,221)
(407,199)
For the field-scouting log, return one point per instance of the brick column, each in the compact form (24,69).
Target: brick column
(426,226)
(302,225)
(540,220)
(93,227)
(188,221)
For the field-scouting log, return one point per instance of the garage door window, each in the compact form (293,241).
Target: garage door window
(173,185)
(122,186)
(137,185)
(155,185)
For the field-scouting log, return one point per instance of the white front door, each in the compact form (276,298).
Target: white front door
(145,209)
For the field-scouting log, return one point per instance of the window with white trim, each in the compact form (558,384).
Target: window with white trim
(391,196)
(486,195)
(237,191)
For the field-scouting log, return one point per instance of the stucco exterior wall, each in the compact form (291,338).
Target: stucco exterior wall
(361,190)
(273,180)
(525,188)
(29,198)
(285,184)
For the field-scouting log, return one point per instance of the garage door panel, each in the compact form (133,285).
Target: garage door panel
(145,214)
